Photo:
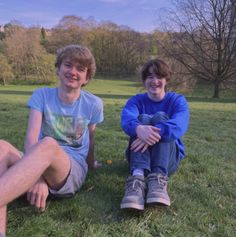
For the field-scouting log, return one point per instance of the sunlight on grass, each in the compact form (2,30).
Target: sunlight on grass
(202,191)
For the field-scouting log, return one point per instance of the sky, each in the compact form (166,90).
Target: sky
(140,15)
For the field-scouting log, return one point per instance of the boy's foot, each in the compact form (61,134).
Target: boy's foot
(134,193)
(157,189)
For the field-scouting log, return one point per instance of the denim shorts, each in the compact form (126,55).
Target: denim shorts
(74,180)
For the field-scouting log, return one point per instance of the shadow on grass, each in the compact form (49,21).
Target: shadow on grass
(112,96)
(105,96)
(12,92)
(210,100)
(136,85)
(116,96)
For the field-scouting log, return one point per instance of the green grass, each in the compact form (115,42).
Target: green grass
(202,191)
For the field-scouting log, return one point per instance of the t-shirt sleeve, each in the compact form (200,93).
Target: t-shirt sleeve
(36,100)
(97,115)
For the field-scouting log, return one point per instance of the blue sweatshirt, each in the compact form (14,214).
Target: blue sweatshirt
(173,104)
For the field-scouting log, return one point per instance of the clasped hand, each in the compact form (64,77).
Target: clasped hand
(147,135)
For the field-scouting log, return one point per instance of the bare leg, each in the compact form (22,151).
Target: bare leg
(45,158)
(9,155)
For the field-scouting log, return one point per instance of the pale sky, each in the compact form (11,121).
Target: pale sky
(140,15)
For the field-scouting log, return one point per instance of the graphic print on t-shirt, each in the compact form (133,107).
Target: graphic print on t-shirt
(67,130)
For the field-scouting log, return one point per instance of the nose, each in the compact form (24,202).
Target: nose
(73,70)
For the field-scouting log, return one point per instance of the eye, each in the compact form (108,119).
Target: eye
(67,64)
(81,68)
(150,78)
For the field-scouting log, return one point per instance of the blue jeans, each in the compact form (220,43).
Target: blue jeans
(162,157)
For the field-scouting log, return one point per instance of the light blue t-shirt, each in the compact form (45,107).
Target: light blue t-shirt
(67,123)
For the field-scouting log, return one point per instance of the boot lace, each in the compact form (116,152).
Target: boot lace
(157,182)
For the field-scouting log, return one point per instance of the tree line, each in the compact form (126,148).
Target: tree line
(30,52)
(197,38)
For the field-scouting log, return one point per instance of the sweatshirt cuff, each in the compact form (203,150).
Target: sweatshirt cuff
(161,127)
(134,134)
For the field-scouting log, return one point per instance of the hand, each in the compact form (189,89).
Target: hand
(94,164)
(138,145)
(149,134)
(37,195)
(97,164)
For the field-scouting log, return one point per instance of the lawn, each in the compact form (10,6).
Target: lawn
(202,191)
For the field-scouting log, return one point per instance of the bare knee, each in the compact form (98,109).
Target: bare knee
(4,145)
(3,149)
(48,147)
(49,142)
(8,153)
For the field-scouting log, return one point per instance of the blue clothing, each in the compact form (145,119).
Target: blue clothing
(173,105)
(162,157)
(67,123)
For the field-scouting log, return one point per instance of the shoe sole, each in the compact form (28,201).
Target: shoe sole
(158,201)
(131,206)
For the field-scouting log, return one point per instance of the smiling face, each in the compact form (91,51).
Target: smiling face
(155,74)
(72,75)
(75,65)
(155,85)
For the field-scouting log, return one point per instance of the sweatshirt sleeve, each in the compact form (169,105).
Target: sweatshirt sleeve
(129,117)
(175,127)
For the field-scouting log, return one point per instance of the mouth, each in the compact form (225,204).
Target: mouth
(72,78)
(155,86)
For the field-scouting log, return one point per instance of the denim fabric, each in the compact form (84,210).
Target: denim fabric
(159,158)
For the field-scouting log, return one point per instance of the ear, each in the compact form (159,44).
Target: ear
(87,81)
(87,78)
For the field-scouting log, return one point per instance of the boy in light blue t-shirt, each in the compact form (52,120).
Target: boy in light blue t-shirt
(59,144)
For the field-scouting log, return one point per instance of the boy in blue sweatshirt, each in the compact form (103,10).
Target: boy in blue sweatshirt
(155,121)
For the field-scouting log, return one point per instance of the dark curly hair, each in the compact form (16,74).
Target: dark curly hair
(159,68)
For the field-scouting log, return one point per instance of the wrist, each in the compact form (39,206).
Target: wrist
(138,129)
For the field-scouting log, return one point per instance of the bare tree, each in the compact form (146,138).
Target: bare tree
(202,38)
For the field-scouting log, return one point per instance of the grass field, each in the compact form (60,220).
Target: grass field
(202,191)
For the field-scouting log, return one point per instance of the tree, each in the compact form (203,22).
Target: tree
(44,69)
(181,78)
(27,56)
(70,30)
(202,37)
(22,49)
(5,70)
(118,50)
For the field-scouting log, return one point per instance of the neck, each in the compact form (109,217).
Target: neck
(68,97)
(157,97)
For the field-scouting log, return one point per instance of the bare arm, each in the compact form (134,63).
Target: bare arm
(33,130)
(37,194)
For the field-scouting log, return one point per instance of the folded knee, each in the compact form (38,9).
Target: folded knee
(48,146)
(8,153)
(4,146)
(49,142)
